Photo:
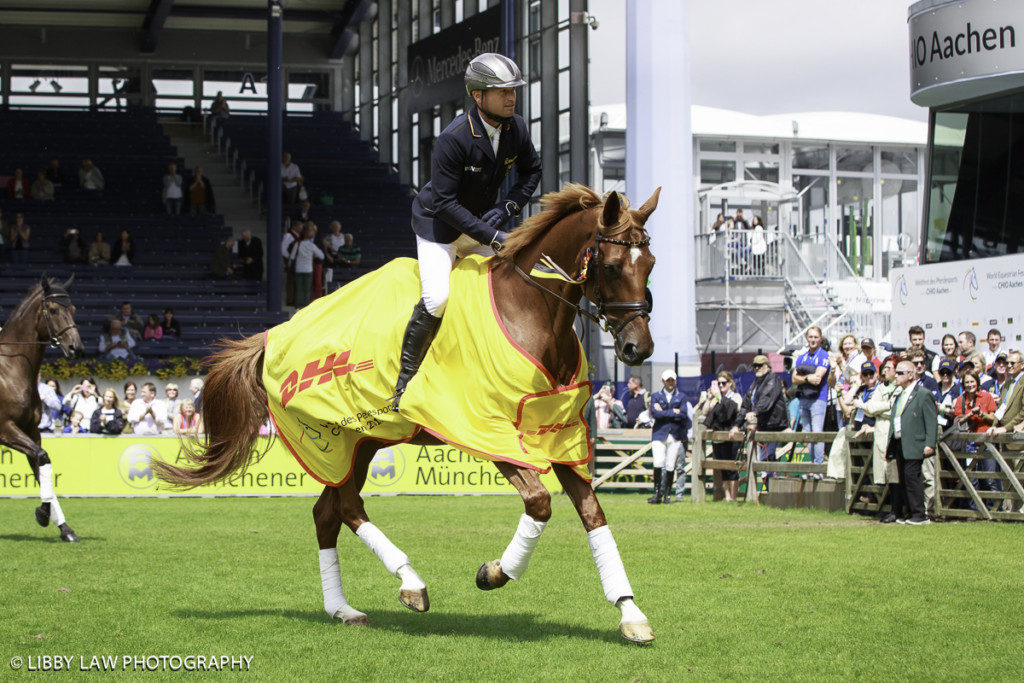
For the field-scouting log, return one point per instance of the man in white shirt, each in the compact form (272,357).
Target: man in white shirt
(995,347)
(148,416)
(304,255)
(291,178)
(117,343)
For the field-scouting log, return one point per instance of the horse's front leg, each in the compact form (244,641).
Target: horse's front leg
(633,625)
(514,560)
(49,509)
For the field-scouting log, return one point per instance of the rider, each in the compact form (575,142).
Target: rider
(454,214)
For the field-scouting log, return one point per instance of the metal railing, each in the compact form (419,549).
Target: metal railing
(818,284)
(739,255)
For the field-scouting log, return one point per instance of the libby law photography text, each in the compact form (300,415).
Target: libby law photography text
(132,663)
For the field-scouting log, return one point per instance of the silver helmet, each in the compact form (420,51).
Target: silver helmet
(491,70)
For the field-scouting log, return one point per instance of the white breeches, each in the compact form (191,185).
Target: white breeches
(436,261)
(665,452)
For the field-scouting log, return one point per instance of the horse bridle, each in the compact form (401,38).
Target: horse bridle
(62,300)
(638,308)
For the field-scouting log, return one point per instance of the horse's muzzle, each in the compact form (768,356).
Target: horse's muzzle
(632,354)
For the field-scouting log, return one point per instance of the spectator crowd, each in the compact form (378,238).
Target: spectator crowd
(900,399)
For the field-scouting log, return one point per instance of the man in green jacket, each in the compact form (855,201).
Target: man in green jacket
(913,431)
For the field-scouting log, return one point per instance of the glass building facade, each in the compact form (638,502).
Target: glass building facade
(975,176)
(865,197)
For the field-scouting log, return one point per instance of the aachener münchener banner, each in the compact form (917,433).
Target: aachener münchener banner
(437,64)
(120,466)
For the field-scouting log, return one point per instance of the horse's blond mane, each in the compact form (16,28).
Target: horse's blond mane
(556,206)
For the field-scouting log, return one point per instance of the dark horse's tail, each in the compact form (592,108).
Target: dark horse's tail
(234,409)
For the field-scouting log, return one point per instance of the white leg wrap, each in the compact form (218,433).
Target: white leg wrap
(56,514)
(516,557)
(609,565)
(386,551)
(334,595)
(46,493)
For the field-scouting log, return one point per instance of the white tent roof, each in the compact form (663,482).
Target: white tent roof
(817,125)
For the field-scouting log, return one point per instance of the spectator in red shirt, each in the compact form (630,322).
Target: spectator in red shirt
(975,408)
(975,412)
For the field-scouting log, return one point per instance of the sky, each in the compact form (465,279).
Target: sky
(777,56)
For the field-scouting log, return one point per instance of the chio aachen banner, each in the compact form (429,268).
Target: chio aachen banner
(948,298)
(437,64)
(120,466)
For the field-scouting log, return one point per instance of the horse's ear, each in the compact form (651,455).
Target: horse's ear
(612,208)
(44,282)
(649,206)
(67,284)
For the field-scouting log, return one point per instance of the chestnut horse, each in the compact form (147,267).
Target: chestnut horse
(607,245)
(44,317)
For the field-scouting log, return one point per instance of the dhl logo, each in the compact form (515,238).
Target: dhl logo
(550,429)
(321,372)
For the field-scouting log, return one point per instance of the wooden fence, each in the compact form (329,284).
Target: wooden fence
(957,471)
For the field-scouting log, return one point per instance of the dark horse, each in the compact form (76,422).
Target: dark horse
(603,242)
(44,317)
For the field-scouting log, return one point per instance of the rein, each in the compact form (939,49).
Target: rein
(550,268)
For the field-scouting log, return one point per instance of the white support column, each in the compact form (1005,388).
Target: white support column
(659,152)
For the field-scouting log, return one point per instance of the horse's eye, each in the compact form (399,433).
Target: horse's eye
(612,269)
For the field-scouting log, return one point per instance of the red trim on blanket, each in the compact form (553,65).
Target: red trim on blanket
(586,425)
(501,325)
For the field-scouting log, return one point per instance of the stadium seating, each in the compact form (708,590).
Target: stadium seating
(336,163)
(171,252)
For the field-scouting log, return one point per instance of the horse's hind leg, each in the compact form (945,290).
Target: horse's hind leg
(49,509)
(633,625)
(515,559)
(327,516)
(348,508)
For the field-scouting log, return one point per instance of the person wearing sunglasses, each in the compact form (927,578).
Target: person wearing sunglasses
(720,416)
(913,433)
(879,407)
(1010,404)
(921,374)
(763,409)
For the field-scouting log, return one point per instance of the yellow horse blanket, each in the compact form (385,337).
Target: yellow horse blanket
(330,372)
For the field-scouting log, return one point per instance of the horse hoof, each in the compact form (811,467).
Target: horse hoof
(416,599)
(68,535)
(357,619)
(637,632)
(489,576)
(43,514)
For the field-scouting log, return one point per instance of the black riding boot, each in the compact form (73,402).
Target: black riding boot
(668,476)
(656,498)
(418,334)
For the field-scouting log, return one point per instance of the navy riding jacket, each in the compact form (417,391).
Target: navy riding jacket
(465,178)
(666,421)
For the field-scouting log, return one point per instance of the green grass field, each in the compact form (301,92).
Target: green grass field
(731,592)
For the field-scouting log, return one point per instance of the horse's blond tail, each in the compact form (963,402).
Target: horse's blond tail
(234,409)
